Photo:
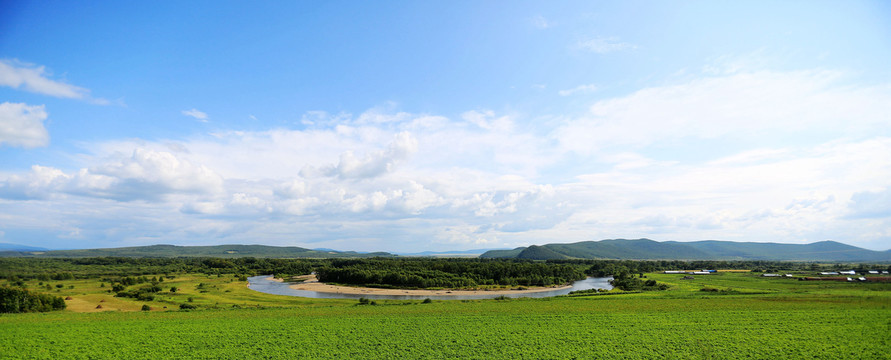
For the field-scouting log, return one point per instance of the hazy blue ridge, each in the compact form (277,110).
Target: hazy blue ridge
(19,247)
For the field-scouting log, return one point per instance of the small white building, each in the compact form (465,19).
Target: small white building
(770,275)
(849,272)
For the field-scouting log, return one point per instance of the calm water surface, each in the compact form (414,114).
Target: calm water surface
(261,284)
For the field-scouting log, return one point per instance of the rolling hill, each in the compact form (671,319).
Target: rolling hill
(197,251)
(646,249)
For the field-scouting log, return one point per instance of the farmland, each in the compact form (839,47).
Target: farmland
(749,317)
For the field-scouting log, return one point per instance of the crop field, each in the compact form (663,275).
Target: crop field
(752,318)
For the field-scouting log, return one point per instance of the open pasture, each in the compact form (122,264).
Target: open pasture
(760,318)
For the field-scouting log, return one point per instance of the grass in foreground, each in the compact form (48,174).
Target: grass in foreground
(768,318)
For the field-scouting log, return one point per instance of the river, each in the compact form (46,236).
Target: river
(263,284)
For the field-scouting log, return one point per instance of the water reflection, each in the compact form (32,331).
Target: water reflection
(263,284)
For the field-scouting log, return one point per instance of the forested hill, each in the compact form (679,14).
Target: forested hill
(223,251)
(645,249)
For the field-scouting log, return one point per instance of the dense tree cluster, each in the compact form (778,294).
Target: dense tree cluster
(446,273)
(14,300)
(45,269)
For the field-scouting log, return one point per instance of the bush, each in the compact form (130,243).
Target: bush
(186,306)
(364,301)
(427,301)
(146,307)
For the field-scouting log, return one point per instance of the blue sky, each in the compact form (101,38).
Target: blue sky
(411,126)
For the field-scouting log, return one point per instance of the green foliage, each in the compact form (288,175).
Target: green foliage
(132,271)
(145,307)
(364,301)
(446,273)
(639,326)
(759,318)
(13,300)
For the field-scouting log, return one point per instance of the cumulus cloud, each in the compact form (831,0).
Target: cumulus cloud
(603,45)
(145,175)
(195,113)
(375,163)
(22,125)
(40,183)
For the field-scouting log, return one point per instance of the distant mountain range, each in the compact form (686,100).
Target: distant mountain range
(646,249)
(639,249)
(456,253)
(195,251)
(17,247)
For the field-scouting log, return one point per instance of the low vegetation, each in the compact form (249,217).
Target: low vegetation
(739,315)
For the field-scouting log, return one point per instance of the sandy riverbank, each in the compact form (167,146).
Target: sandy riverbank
(310,283)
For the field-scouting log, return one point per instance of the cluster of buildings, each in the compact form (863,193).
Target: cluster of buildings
(700,272)
(827,275)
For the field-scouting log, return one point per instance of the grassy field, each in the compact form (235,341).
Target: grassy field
(752,317)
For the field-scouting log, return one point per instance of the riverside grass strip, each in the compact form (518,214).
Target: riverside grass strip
(693,327)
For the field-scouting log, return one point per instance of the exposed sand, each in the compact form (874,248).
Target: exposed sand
(310,283)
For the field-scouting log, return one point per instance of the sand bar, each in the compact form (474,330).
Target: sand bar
(311,283)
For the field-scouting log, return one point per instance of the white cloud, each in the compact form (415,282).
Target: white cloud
(40,183)
(578,89)
(33,78)
(603,45)
(144,175)
(486,119)
(376,163)
(540,22)
(743,106)
(386,178)
(195,113)
(22,125)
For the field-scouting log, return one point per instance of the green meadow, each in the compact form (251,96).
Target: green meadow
(741,315)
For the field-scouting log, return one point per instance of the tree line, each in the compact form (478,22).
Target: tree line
(446,273)
(17,300)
